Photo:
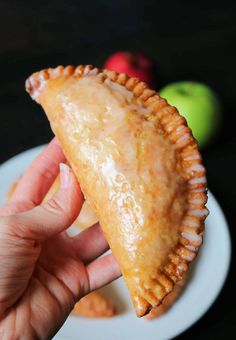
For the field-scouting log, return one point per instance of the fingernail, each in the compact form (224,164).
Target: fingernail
(64,175)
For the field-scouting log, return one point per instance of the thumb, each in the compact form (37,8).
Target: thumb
(54,216)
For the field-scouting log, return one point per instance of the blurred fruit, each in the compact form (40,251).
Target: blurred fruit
(133,64)
(199,104)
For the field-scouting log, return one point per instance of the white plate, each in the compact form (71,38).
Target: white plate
(206,279)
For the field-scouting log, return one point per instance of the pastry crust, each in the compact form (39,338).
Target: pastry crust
(12,188)
(140,167)
(168,301)
(87,217)
(95,305)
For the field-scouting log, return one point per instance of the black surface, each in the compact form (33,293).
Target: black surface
(188,40)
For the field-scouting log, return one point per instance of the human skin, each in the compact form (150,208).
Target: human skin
(43,271)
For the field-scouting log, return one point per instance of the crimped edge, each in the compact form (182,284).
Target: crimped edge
(180,136)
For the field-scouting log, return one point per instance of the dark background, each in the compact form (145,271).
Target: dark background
(188,40)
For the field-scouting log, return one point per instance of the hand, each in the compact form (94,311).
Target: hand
(43,271)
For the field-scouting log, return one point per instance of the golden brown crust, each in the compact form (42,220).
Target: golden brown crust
(168,301)
(95,305)
(172,126)
(12,188)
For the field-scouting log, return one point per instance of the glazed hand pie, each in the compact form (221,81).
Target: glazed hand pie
(138,165)
(95,305)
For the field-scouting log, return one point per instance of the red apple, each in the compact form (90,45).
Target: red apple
(134,64)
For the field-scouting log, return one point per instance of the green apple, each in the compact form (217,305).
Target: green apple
(199,104)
